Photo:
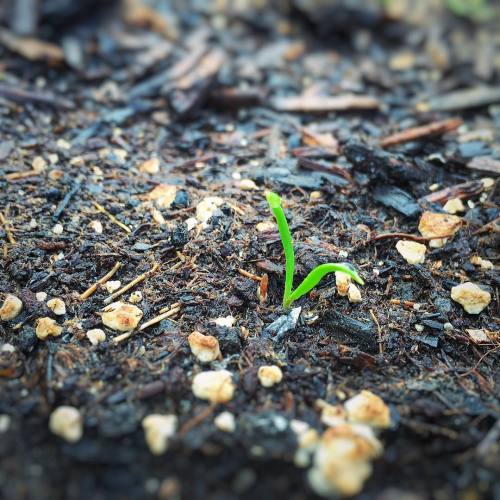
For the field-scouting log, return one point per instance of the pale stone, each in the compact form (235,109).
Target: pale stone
(482,263)
(57,306)
(96,336)
(135,297)
(333,415)
(342,461)
(58,229)
(472,298)
(411,251)
(265,226)
(247,185)
(204,347)
(158,430)
(41,296)
(225,422)
(439,227)
(163,195)
(207,208)
(215,386)
(11,307)
(121,316)
(67,423)
(151,166)
(353,293)
(96,226)
(39,164)
(454,206)
(227,321)
(112,286)
(478,336)
(5,421)
(47,327)
(269,375)
(368,408)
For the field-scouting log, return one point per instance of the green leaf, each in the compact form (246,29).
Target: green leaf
(317,274)
(286,240)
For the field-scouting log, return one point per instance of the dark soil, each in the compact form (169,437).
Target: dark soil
(202,93)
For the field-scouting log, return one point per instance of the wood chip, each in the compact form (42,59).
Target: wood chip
(324,104)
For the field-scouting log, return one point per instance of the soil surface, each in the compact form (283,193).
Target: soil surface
(302,98)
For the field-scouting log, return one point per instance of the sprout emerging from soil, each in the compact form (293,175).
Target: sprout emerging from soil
(315,276)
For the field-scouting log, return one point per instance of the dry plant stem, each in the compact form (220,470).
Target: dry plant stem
(21,175)
(411,134)
(111,217)
(379,330)
(124,336)
(249,275)
(87,293)
(134,282)
(8,232)
(168,314)
(406,236)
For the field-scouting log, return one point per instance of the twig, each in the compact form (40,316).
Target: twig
(14,176)
(134,282)
(490,225)
(6,225)
(407,237)
(111,217)
(379,330)
(249,275)
(87,293)
(463,190)
(196,420)
(411,134)
(476,366)
(171,312)
(65,201)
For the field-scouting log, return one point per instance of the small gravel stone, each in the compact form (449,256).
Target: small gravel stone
(368,408)
(454,206)
(225,321)
(151,166)
(436,226)
(158,429)
(112,286)
(47,327)
(135,297)
(204,347)
(265,226)
(269,375)
(96,336)
(11,307)
(482,263)
(471,297)
(411,251)
(353,293)
(207,208)
(57,306)
(41,296)
(67,423)
(163,195)
(121,316)
(4,423)
(58,229)
(247,185)
(96,226)
(225,422)
(215,386)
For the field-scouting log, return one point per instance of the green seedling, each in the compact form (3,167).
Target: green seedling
(317,274)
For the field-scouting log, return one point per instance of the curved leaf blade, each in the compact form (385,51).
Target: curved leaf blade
(318,273)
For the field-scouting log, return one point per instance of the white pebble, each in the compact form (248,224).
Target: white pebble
(67,423)
(112,286)
(41,296)
(215,386)
(158,429)
(96,226)
(58,229)
(269,375)
(4,423)
(225,422)
(11,307)
(353,293)
(57,306)
(135,297)
(204,347)
(96,336)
